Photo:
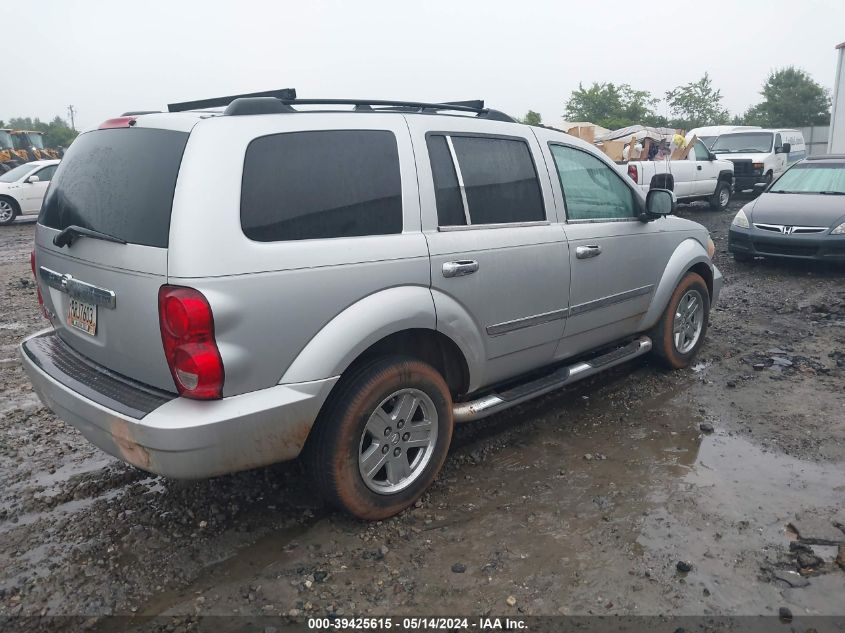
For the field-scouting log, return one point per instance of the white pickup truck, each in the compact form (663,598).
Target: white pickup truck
(700,176)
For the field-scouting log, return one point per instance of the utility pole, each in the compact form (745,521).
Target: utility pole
(71,111)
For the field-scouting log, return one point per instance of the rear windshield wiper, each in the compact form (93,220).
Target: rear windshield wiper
(71,233)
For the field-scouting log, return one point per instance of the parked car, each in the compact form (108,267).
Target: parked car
(761,155)
(701,176)
(801,215)
(709,133)
(343,284)
(22,189)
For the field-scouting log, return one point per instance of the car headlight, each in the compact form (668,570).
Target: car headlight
(839,230)
(741,220)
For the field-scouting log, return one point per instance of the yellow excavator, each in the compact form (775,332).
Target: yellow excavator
(10,156)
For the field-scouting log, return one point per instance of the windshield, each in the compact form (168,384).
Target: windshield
(5,140)
(746,142)
(119,182)
(707,140)
(36,140)
(17,173)
(812,178)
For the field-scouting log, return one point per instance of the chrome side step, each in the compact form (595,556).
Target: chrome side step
(499,401)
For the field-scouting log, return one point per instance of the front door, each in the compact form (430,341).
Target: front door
(497,250)
(706,170)
(615,258)
(33,192)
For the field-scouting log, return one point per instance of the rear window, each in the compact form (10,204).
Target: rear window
(119,182)
(324,184)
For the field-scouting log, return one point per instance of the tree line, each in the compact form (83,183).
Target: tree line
(57,133)
(790,98)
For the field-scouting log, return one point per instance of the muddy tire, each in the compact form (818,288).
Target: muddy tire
(721,198)
(9,210)
(382,437)
(679,334)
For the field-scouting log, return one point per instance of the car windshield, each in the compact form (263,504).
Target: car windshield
(707,140)
(5,140)
(746,142)
(17,173)
(820,178)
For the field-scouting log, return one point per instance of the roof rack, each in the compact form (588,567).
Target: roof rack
(216,102)
(262,105)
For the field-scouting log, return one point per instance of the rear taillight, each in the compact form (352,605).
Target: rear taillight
(121,121)
(37,286)
(187,332)
(633,173)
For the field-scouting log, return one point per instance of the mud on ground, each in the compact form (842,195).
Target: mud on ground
(581,503)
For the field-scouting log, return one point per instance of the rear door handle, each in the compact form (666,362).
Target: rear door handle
(460,268)
(585,252)
(698,167)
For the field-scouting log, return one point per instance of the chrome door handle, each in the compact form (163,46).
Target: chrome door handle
(585,252)
(460,268)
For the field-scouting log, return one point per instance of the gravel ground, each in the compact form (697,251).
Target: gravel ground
(592,500)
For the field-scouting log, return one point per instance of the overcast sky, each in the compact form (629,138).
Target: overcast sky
(105,57)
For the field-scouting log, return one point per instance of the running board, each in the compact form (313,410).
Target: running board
(501,400)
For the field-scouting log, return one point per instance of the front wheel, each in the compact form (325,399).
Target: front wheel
(8,211)
(721,197)
(382,437)
(679,334)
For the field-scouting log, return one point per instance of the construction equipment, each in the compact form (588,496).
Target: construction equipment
(32,143)
(10,157)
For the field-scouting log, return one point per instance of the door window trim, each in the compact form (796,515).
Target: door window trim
(568,220)
(492,225)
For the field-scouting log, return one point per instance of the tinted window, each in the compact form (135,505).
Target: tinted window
(120,182)
(500,182)
(307,185)
(450,205)
(46,174)
(701,152)
(592,190)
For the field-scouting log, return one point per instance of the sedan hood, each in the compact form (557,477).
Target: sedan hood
(798,209)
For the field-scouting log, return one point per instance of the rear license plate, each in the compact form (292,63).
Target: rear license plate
(82,316)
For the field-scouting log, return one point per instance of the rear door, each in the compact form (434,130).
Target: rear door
(496,246)
(103,295)
(683,172)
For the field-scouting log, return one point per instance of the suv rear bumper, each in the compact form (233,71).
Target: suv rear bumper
(183,438)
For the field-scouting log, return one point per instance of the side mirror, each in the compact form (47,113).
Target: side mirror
(760,187)
(712,157)
(786,148)
(33,179)
(660,202)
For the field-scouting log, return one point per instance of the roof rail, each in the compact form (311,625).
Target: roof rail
(216,102)
(248,105)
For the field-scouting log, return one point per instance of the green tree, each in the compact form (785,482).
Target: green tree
(532,118)
(697,103)
(791,98)
(612,106)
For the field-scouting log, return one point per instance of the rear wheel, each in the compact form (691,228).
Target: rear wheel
(382,438)
(680,332)
(721,197)
(8,211)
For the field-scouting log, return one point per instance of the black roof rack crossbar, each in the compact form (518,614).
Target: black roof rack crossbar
(460,106)
(284,94)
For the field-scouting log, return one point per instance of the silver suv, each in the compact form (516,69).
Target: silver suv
(232,288)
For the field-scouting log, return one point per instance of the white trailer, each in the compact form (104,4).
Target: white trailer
(836,141)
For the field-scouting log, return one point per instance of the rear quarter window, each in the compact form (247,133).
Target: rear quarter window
(119,182)
(321,184)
